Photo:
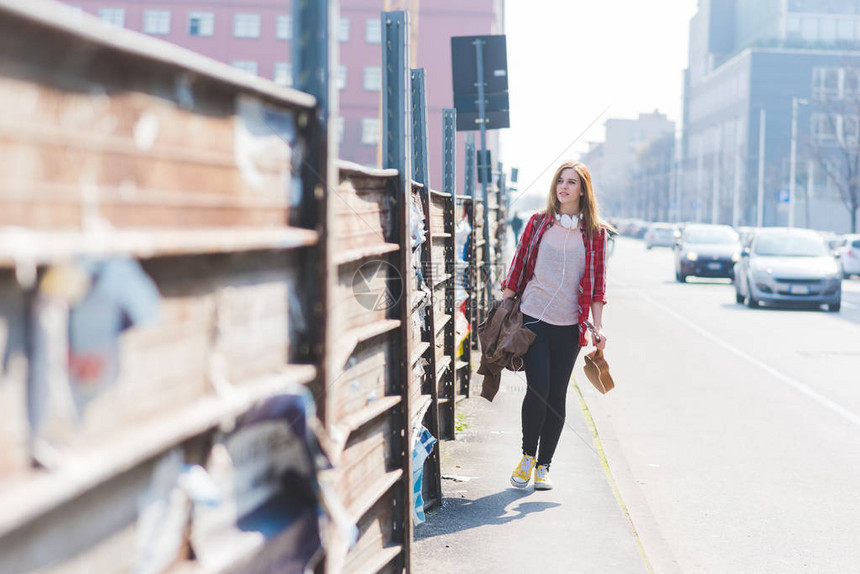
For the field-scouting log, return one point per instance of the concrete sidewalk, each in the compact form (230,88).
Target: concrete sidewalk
(486,525)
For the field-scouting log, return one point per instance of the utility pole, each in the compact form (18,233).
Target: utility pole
(482,117)
(736,188)
(699,182)
(795,101)
(715,197)
(760,205)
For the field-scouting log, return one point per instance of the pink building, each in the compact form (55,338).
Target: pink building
(255,35)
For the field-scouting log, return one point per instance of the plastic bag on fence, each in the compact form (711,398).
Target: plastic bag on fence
(418,269)
(419,371)
(464,232)
(416,219)
(462,328)
(422,446)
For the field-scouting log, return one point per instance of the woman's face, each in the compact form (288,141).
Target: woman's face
(568,189)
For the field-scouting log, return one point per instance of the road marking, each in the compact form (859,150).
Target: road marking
(795,384)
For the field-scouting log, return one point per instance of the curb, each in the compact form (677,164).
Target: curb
(609,477)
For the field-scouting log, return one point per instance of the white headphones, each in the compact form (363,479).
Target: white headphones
(568,221)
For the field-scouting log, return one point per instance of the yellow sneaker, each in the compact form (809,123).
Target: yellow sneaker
(523,472)
(542,481)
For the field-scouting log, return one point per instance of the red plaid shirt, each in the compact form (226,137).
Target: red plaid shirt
(591,288)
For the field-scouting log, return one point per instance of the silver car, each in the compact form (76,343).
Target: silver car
(791,266)
(849,251)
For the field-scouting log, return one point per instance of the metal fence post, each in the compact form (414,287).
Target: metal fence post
(397,154)
(312,55)
(420,169)
(449,150)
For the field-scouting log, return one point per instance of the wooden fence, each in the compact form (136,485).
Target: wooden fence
(210,365)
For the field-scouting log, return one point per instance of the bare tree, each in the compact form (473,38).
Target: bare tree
(835,133)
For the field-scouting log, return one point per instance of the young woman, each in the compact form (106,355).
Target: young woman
(559,274)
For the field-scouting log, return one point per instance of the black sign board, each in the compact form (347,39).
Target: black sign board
(465,71)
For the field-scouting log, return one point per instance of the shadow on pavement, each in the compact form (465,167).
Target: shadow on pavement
(458,514)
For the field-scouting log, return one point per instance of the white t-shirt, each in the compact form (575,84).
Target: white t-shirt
(560,262)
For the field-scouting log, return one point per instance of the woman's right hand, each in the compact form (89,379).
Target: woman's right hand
(508,293)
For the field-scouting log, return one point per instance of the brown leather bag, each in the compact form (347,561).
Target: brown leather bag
(596,368)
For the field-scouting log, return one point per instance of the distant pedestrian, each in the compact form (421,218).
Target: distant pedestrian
(559,274)
(516,226)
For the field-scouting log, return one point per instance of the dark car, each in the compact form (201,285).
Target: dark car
(791,266)
(705,250)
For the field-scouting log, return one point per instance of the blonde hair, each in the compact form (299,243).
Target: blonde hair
(588,207)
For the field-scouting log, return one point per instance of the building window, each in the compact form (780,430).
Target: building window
(246,26)
(247,66)
(370,131)
(343,30)
(284,28)
(850,130)
(156,22)
(372,78)
(341,77)
(112,16)
(825,83)
(373,31)
(823,128)
(201,23)
(827,30)
(845,29)
(851,83)
(809,29)
(283,73)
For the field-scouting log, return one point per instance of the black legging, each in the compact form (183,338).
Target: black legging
(548,364)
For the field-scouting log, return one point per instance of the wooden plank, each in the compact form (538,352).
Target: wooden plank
(442,366)
(441,322)
(77,158)
(354,255)
(376,531)
(356,420)
(373,493)
(46,247)
(380,560)
(420,349)
(24,500)
(441,279)
(364,462)
(363,382)
(346,343)
(361,295)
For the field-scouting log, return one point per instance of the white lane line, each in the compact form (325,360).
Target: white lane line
(795,384)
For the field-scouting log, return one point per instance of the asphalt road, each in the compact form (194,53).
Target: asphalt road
(733,433)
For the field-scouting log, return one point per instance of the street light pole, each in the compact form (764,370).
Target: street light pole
(760,204)
(795,101)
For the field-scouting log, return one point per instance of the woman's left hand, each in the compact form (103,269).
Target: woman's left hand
(600,339)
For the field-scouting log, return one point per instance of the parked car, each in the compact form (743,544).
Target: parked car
(704,250)
(661,235)
(849,255)
(788,266)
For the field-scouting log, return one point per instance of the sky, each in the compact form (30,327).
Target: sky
(572,60)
